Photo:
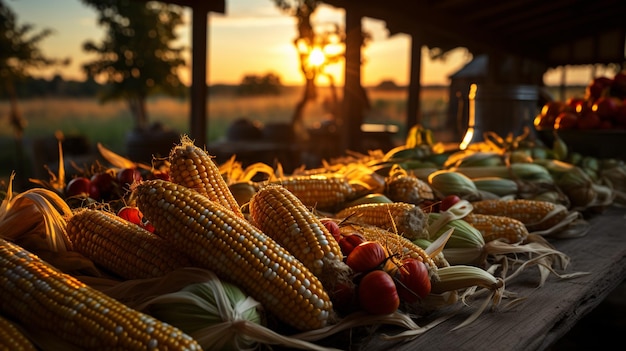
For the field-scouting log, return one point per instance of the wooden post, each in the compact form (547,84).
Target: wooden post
(353,93)
(414,115)
(199,90)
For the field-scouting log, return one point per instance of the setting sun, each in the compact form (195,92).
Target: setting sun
(317,57)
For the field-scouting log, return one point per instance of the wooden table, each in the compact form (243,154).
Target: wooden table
(548,312)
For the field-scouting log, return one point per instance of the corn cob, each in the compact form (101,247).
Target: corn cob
(494,227)
(12,338)
(324,192)
(395,243)
(406,219)
(283,217)
(409,189)
(194,168)
(218,240)
(536,215)
(439,259)
(122,247)
(41,297)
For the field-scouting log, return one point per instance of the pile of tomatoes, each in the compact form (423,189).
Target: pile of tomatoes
(382,281)
(107,185)
(602,107)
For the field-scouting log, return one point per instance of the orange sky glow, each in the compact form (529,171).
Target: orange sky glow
(253,37)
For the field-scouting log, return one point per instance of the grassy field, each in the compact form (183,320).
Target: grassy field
(110,123)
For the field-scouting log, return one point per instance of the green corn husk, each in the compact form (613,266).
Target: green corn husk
(532,172)
(444,182)
(465,245)
(464,234)
(497,185)
(471,158)
(200,309)
(615,178)
(215,313)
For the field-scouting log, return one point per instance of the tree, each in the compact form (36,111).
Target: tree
(317,48)
(268,84)
(137,58)
(19,55)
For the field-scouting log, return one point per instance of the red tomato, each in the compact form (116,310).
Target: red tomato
(128,176)
(414,280)
(606,107)
(566,120)
(131,214)
(377,293)
(543,122)
(552,108)
(366,256)
(332,227)
(78,186)
(597,87)
(347,243)
(448,202)
(102,186)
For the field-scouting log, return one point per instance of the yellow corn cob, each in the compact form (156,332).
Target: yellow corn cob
(439,259)
(535,214)
(494,227)
(325,192)
(194,168)
(12,338)
(406,219)
(283,217)
(396,244)
(41,297)
(409,189)
(218,240)
(122,247)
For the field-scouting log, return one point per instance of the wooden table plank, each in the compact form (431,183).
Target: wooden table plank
(548,312)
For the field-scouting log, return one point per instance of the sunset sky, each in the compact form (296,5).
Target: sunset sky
(253,37)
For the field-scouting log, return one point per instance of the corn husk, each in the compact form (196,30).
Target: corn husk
(444,182)
(465,244)
(497,185)
(236,319)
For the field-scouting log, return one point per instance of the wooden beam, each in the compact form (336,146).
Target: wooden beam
(414,115)
(353,94)
(198,116)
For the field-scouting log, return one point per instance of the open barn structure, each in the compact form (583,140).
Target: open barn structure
(522,38)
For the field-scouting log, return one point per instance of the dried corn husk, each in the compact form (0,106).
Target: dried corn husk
(238,323)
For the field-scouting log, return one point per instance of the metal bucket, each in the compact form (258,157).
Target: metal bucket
(502,109)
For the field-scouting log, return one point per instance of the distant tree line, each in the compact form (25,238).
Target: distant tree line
(268,84)
(57,86)
(33,87)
